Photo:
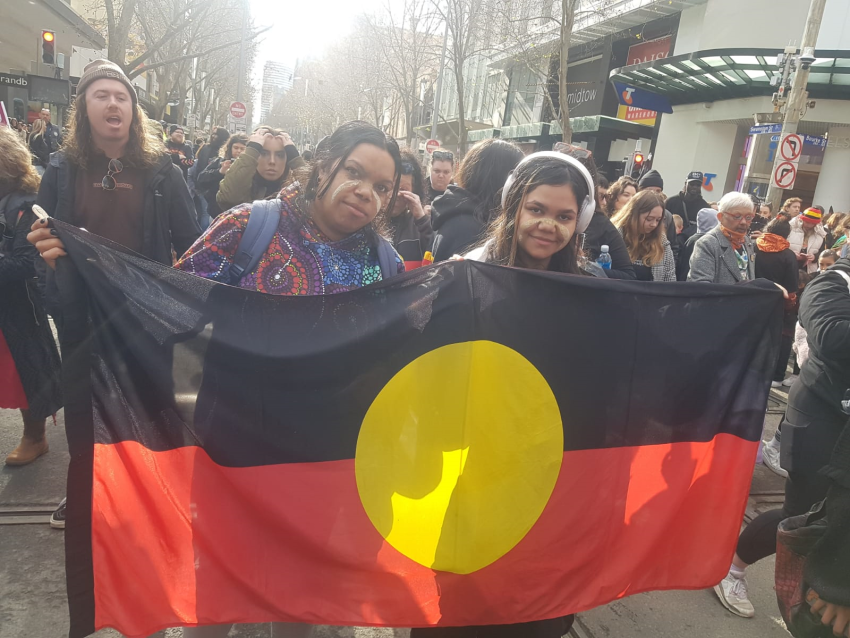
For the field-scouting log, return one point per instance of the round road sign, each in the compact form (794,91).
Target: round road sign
(431,146)
(238,110)
(785,175)
(791,147)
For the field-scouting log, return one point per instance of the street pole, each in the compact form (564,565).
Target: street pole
(435,116)
(240,77)
(799,96)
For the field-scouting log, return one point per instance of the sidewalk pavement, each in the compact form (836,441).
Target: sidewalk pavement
(32,577)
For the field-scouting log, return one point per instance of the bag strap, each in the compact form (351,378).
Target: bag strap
(262,225)
(844,276)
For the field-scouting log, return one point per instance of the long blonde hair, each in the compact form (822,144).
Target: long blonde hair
(144,150)
(37,128)
(646,248)
(16,170)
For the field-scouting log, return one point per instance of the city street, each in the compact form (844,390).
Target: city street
(32,578)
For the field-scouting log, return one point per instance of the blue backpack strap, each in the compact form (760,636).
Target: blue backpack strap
(262,225)
(387,258)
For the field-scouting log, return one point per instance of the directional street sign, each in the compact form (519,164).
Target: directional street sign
(791,148)
(785,175)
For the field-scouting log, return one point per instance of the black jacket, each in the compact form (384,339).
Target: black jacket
(459,222)
(207,183)
(169,214)
(683,260)
(188,159)
(686,210)
(40,150)
(23,320)
(780,268)
(411,237)
(601,232)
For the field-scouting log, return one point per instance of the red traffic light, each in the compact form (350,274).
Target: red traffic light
(638,158)
(48,47)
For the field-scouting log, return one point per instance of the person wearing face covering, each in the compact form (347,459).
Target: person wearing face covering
(706,220)
(724,255)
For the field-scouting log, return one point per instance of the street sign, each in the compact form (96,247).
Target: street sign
(238,110)
(431,146)
(766,128)
(791,148)
(785,175)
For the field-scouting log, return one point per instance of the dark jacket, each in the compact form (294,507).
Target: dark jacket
(683,261)
(686,210)
(207,183)
(23,320)
(411,237)
(826,570)
(601,232)
(184,163)
(459,221)
(169,214)
(780,268)
(53,136)
(431,194)
(40,150)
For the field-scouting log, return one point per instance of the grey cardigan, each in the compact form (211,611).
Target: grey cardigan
(713,259)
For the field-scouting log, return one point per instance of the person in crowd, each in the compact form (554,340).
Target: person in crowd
(38,147)
(713,205)
(706,220)
(811,428)
(29,360)
(547,203)
(264,168)
(776,262)
(833,227)
(689,202)
(652,181)
(841,233)
(724,255)
(408,224)
(307,156)
(461,215)
(680,225)
(114,178)
(209,179)
(441,175)
(792,206)
(198,145)
(618,194)
(602,186)
(52,133)
(763,216)
(203,157)
(329,240)
(181,151)
(640,224)
(807,238)
(827,259)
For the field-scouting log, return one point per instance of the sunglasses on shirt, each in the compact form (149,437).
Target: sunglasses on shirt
(108,182)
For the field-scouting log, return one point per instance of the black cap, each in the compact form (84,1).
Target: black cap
(695,176)
(651,179)
(174,127)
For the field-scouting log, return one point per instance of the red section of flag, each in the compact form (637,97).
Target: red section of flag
(209,544)
(12,396)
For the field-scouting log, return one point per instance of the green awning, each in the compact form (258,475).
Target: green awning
(726,74)
(532,129)
(484,134)
(604,124)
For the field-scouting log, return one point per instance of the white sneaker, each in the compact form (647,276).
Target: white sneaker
(770,457)
(732,592)
(790,381)
(776,384)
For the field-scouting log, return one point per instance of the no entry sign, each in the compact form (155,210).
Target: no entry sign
(785,175)
(431,146)
(791,148)
(238,110)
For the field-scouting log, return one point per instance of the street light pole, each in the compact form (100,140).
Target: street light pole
(798,96)
(435,116)
(241,73)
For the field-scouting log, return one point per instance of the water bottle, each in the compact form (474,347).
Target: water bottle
(604,259)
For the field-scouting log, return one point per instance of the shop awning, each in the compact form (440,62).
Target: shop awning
(609,126)
(726,74)
(447,130)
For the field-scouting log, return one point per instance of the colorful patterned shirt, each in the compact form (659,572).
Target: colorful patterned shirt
(299,261)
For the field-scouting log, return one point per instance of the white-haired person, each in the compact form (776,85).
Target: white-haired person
(724,255)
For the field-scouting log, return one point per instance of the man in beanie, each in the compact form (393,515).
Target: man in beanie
(652,181)
(181,152)
(806,238)
(114,178)
(688,203)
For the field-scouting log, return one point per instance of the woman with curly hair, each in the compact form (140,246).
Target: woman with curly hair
(619,193)
(29,361)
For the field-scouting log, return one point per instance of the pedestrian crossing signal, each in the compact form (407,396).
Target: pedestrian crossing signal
(48,47)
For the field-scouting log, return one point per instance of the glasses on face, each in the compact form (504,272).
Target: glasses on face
(442,156)
(739,218)
(108,182)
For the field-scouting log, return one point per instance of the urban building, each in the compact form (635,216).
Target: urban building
(277,79)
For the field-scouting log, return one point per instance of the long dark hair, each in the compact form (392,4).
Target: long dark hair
(483,173)
(238,138)
(540,171)
(335,149)
(410,165)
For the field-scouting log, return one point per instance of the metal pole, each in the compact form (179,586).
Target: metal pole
(435,116)
(240,77)
(798,97)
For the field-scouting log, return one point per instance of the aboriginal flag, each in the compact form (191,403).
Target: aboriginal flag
(463,444)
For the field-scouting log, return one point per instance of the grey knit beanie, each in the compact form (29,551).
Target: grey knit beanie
(105,70)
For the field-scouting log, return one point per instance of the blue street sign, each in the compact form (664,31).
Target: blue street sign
(642,99)
(765,128)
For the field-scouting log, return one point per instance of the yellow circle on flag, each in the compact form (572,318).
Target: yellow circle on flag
(459,454)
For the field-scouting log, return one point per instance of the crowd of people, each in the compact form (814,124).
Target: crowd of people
(360,209)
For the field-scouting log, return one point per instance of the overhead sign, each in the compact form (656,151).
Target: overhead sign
(642,99)
(50,90)
(431,146)
(639,54)
(766,128)
(785,175)
(238,110)
(791,147)
(7,79)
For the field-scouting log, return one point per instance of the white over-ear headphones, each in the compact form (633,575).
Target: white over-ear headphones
(586,208)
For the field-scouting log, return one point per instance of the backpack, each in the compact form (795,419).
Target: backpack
(262,225)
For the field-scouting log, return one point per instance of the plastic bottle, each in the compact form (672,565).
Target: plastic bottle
(604,259)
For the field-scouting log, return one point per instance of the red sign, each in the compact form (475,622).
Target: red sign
(638,54)
(238,110)
(785,175)
(791,147)
(431,146)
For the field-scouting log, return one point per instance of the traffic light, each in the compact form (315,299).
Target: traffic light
(48,47)
(637,165)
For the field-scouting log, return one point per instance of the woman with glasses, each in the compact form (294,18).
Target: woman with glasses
(408,224)
(724,255)
(114,178)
